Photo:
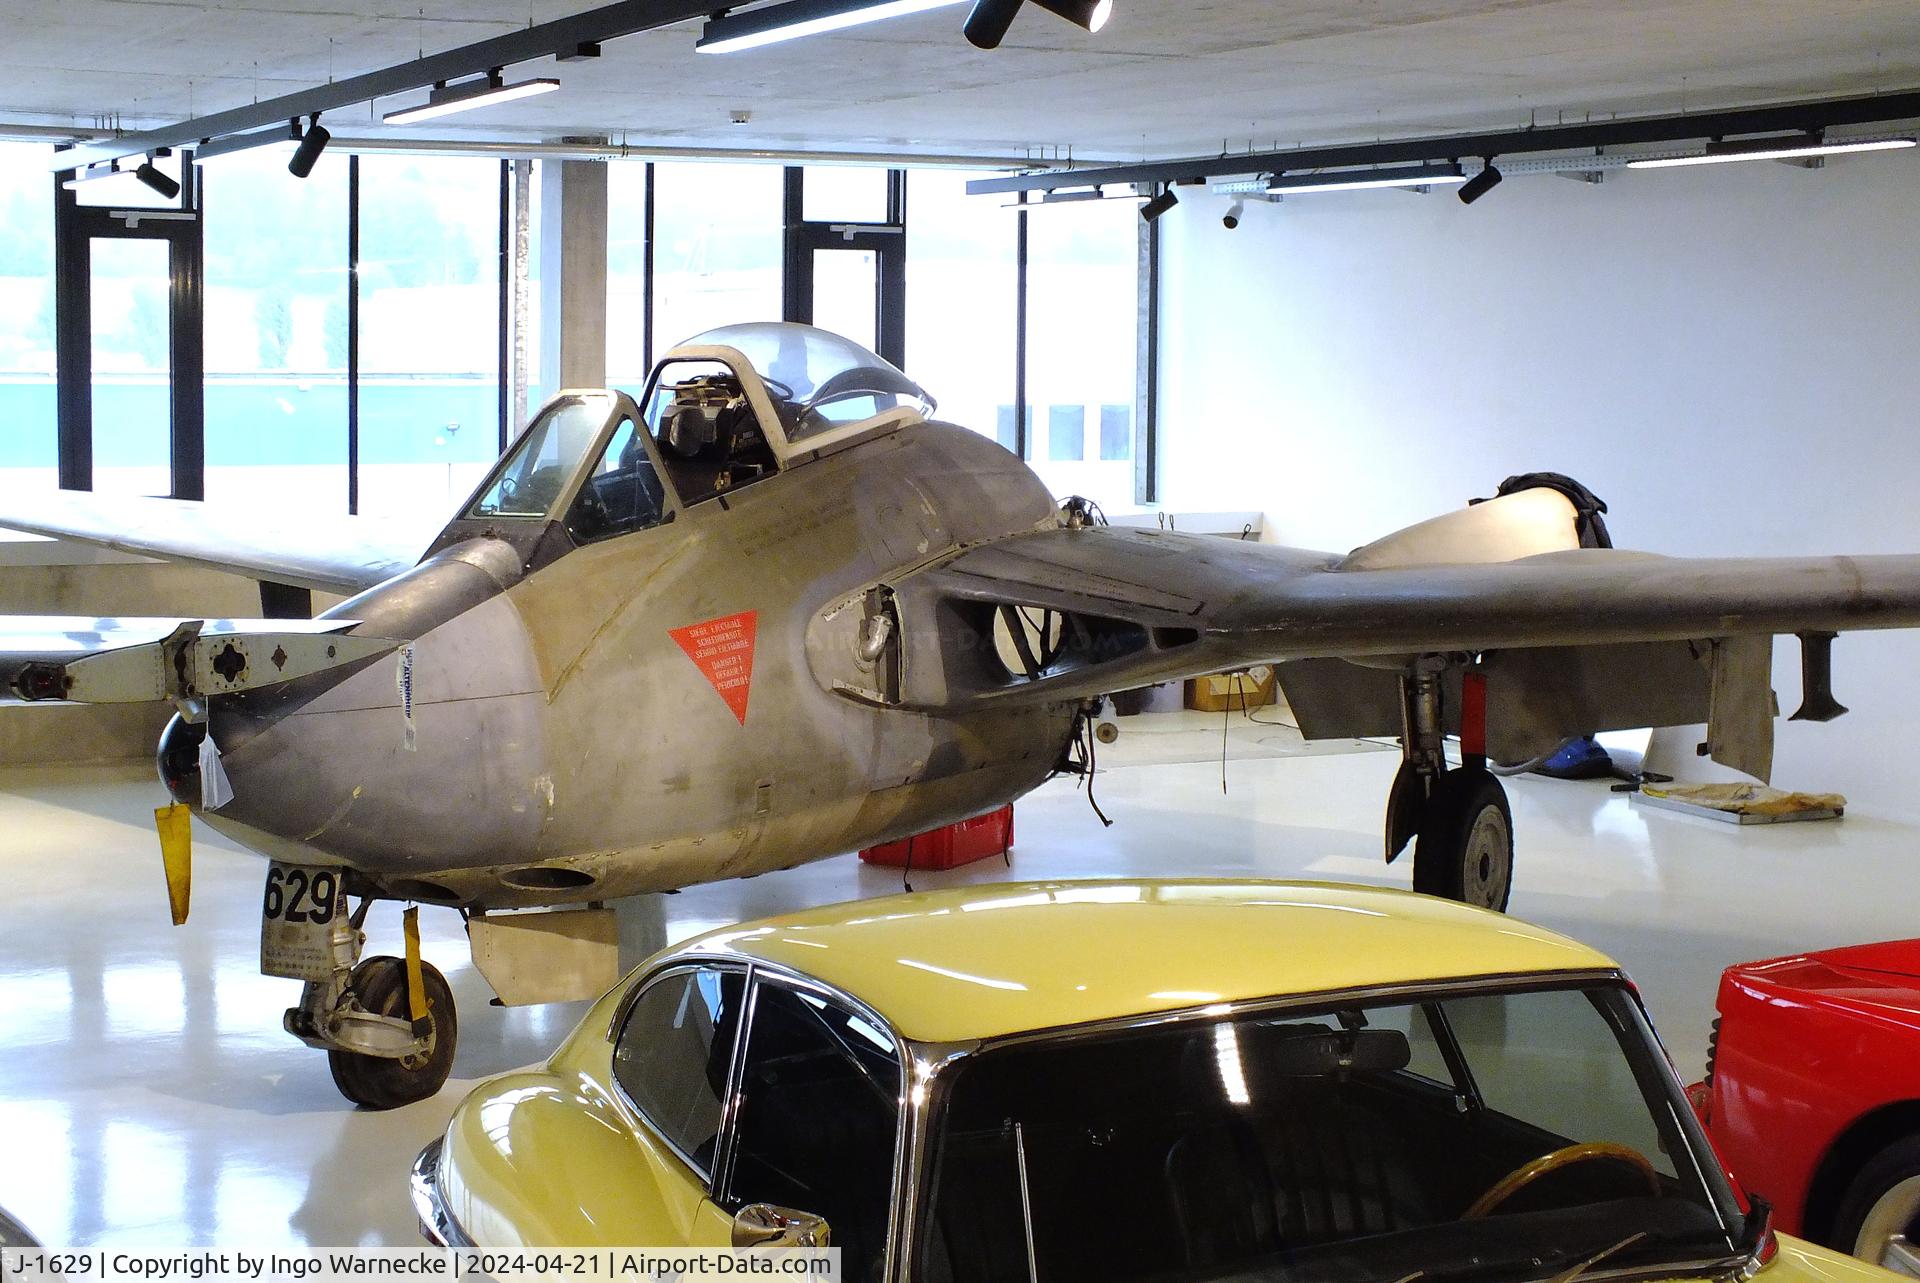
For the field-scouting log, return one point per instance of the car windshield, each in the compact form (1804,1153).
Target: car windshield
(1485,1135)
(817,379)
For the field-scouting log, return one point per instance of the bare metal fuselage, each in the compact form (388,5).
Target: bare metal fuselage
(562,746)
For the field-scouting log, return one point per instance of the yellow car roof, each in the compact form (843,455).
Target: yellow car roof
(989,960)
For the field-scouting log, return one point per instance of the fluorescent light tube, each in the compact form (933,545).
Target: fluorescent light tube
(733,32)
(1358,180)
(1050,200)
(1770,149)
(446,100)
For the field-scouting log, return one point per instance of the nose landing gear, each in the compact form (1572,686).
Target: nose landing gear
(379,988)
(389,1039)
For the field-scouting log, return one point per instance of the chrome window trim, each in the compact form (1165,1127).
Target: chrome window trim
(623,1012)
(940,1060)
(786,977)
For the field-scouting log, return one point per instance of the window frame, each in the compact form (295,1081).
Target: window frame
(624,1015)
(758,973)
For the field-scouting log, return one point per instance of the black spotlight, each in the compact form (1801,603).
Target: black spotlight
(1159,205)
(160,182)
(987,24)
(1480,184)
(312,143)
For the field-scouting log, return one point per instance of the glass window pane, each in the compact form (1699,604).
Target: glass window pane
(717,254)
(276,331)
(132,367)
(1066,433)
(674,1053)
(1116,432)
(28,449)
(628,360)
(1083,323)
(961,301)
(846,294)
(841,194)
(819,1105)
(429,330)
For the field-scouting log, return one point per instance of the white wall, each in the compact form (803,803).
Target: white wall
(1728,355)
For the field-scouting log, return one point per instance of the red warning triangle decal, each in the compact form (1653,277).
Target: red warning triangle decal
(723,650)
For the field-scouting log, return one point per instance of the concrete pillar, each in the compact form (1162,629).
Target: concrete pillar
(573,275)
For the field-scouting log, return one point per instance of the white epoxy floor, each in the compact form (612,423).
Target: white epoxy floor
(148,1095)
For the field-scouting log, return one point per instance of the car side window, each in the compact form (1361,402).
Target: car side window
(819,1105)
(673,1054)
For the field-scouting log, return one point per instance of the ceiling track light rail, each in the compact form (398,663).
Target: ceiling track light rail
(562,37)
(1786,118)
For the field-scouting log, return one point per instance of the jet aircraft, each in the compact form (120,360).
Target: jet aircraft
(772,611)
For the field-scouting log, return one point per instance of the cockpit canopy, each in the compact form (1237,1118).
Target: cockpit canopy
(722,411)
(816,379)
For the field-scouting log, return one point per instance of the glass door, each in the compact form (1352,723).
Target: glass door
(129,342)
(132,359)
(845,276)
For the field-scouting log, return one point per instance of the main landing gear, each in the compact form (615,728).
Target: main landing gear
(387,1024)
(1457,819)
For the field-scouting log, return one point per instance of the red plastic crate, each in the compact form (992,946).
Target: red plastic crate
(949,847)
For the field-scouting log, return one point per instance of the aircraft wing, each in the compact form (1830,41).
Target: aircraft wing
(338,554)
(1134,607)
(119,661)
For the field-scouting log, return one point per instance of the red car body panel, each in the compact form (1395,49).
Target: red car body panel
(1807,1046)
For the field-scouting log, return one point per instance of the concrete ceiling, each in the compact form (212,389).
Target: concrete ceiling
(1166,77)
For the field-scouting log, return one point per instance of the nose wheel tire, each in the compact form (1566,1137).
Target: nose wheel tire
(381,1082)
(1879,1217)
(1465,848)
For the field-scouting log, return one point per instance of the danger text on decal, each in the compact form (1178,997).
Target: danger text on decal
(722,649)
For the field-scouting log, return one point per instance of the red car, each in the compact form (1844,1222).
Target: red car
(1812,1095)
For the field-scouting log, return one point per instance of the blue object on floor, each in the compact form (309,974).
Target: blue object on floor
(1578,759)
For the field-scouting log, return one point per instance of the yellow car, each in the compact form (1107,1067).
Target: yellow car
(1120,1080)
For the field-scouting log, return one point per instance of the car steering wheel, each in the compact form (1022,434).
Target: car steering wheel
(1595,1151)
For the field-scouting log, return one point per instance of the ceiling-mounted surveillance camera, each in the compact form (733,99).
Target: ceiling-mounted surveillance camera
(1234,214)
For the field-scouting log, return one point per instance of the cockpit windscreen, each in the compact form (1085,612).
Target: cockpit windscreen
(533,476)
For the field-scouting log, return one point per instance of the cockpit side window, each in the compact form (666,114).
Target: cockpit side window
(623,492)
(709,438)
(530,481)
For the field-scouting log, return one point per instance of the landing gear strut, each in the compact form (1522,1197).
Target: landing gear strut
(1458,819)
(389,1039)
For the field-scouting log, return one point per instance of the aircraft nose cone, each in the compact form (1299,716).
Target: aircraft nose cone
(178,758)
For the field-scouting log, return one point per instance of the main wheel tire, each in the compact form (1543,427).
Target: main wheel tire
(383,1082)
(1882,1202)
(1465,848)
